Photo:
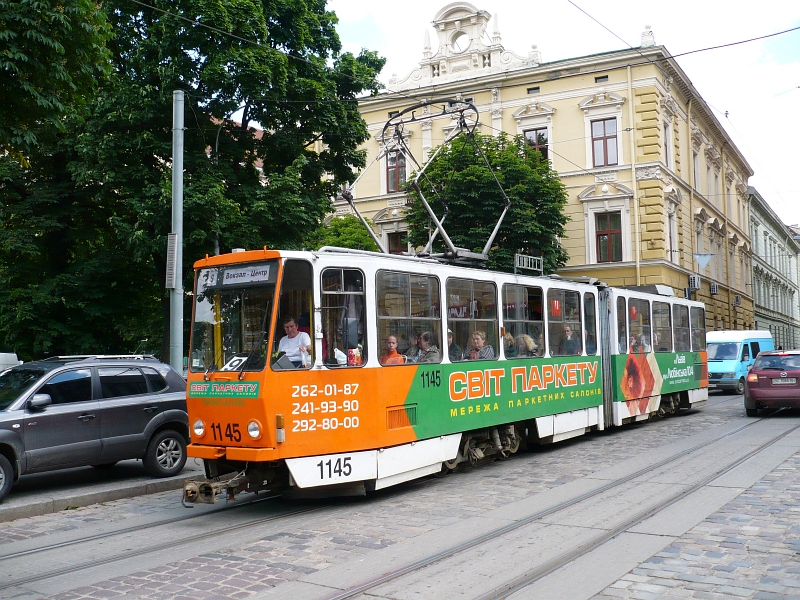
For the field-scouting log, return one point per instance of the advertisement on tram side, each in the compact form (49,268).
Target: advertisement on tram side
(646,374)
(463,396)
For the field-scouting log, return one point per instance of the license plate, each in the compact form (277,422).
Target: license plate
(312,471)
(785,380)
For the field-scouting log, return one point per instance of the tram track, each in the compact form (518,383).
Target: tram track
(532,576)
(124,555)
(132,529)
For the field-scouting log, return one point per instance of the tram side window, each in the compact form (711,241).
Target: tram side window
(640,325)
(343,318)
(590,323)
(522,318)
(564,322)
(409,313)
(472,316)
(294,329)
(662,327)
(698,328)
(623,343)
(682,339)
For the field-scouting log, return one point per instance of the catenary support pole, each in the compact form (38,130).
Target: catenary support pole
(176,293)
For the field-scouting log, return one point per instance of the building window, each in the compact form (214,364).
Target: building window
(604,142)
(601,79)
(608,232)
(696,170)
(395,170)
(397,242)
(537,139)
(667,144)
(533,90)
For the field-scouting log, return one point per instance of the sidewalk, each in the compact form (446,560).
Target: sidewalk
(45,493)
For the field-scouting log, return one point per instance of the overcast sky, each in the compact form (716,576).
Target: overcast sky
(757,84)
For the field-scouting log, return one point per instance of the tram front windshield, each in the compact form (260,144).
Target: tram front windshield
(232,312)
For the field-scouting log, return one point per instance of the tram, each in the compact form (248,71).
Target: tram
(482,364)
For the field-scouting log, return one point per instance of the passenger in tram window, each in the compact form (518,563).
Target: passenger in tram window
(509,345)
(569,343)
(453,350)
(591,346)
(539,343)
(413,351)
(644,345)
(428,352)
(623,341)
(294,343)
(525,346)
(391,356)
(480,350)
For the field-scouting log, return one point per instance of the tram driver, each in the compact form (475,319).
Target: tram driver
(295,344)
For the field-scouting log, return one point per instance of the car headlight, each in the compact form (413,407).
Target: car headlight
(254,429)
(729,375)
(199,428)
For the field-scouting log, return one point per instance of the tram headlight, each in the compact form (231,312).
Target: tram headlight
(199,428)
(254,429)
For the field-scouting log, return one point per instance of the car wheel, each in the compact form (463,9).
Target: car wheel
(107,465)
(166,454)
(740,386)
(6,477)
(751,412)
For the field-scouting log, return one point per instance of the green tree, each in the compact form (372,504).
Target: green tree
(460,178)
(345,231)
(266,179)
(52,55)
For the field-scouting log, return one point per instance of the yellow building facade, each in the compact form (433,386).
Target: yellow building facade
(657,189)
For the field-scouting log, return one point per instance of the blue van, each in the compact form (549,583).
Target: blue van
(731,353)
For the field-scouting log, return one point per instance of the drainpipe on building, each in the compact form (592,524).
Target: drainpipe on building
(634,186)
(692,184)
(724,210)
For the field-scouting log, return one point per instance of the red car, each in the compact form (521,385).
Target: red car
(773,381)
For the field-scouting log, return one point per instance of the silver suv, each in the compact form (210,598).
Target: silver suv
(71,411)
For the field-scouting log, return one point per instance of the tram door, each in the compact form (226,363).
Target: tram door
(606,335)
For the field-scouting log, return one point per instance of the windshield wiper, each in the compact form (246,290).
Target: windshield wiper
(260,342)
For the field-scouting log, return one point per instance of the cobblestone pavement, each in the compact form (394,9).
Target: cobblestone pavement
(748,549)
(350,528)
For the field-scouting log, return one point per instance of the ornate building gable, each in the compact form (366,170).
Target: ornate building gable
(713,157)
(698,137)
(465,49)
(534,110)
(601,100)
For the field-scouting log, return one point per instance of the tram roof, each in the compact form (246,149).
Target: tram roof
(333,254)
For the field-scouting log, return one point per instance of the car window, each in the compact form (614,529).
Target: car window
(116,382)
(157,381)
(783,363)
(14,382)
(69,387)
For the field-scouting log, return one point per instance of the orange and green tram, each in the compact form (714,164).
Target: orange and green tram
(408,367)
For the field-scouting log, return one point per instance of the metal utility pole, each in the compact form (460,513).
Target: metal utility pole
(175,245)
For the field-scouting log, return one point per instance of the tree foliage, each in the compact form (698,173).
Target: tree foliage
(461,179)
(52,55)
(265,178)
(345,231)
